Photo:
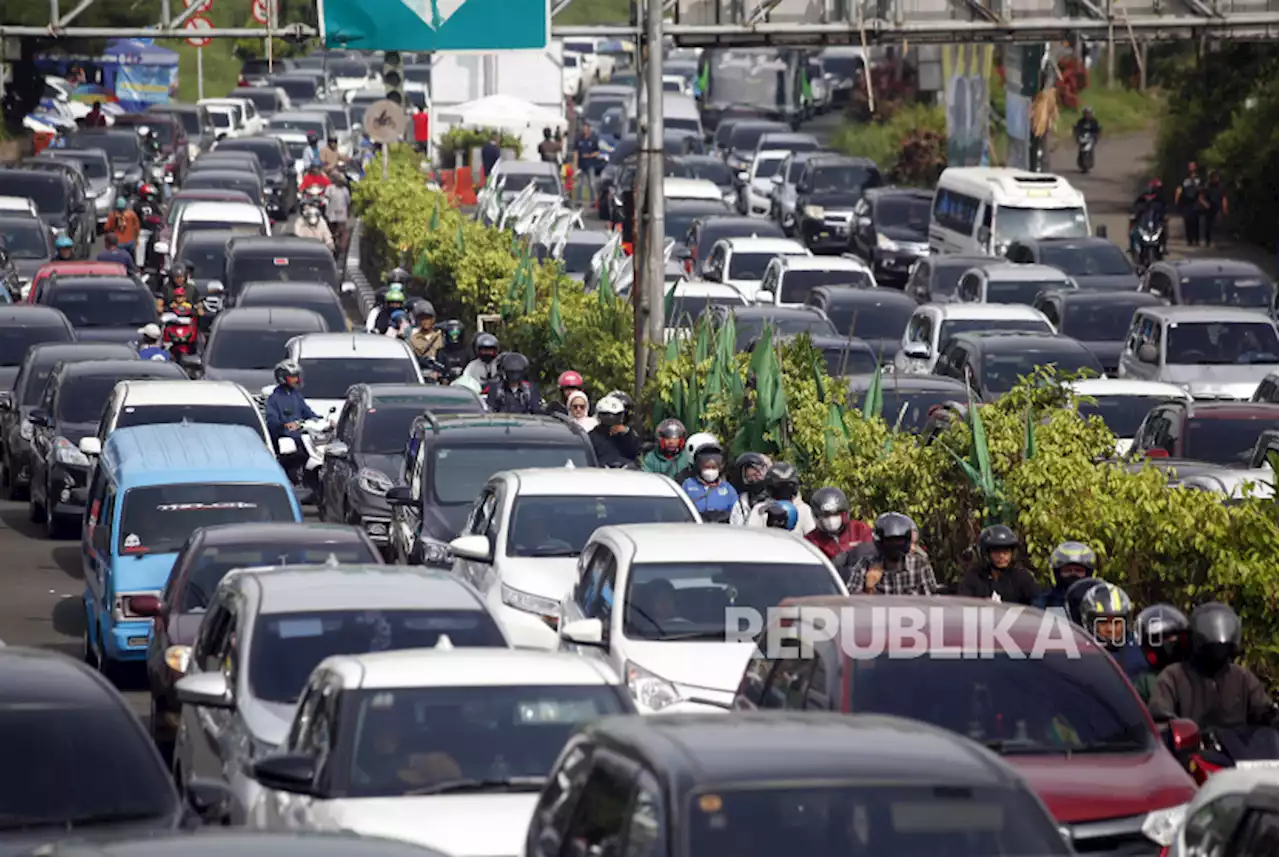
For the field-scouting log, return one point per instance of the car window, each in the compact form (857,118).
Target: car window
(1208,831)
(600,821)
(546,526)
(787,684)
(212,563)
(1222,343)
(459,472)
(247,348)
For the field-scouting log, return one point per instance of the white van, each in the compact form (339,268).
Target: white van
(984,209)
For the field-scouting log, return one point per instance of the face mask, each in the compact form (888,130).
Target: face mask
(831,523)
(710,474)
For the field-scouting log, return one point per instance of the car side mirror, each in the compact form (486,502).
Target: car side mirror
(400,495)
(917,351)
(212,801)
(472,547)
(286,772)
(205,690)
(90,446)
(776,180)
(336,449)
(764,296)
(38,417)
(1147,353)
(584,632)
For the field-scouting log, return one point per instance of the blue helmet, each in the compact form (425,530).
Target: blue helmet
(64,241)
(782,514)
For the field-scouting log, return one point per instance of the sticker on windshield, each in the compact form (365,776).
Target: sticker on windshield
(290,629)
(205,507)
(280,262)
(132,542)
(710,803)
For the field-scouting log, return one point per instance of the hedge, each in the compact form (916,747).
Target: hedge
(1180,546)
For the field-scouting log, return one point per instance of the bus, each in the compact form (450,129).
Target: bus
(984,209)
(768,82)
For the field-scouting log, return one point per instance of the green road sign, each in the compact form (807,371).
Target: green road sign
(435,25)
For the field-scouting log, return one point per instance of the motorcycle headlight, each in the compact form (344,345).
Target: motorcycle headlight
(1161,826)
(527,602)
(436,553)
(886,243)
(374,482)
(66,452)
(653,692)
(814,211)
(25,430)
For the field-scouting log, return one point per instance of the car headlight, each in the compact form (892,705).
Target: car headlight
(435,553)
(527,602)
(649,690)
(374,481)
(814,211)
(26,431)
(1161,826)
(161,247)
(66,452)
(884,243)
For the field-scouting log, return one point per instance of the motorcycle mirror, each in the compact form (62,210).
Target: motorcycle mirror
(169,318)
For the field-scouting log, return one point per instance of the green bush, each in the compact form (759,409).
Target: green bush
(463,140)
(883,142)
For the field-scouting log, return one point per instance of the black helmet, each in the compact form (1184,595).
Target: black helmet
(829,501)
(1164,634)
(782,482)
(1075,596)
(996,537)
(514,367)
(1215,635)
(892,534)
(452,330)
(423,308)
(1100,606)
(751,461)
(399,276)
(179,269)
(1072,553)
(485,342)
(312,138)
(709,451)
(287,369)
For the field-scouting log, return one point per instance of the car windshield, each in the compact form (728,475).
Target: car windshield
(120,148)
(516,182)
(842,362)
(1001,371)
(767,167)
(796,285)
(190,121)
(256,66)
(348,68)
(295,148)
(679,219)
(715,171)
(268,155)
(1092,260)
(1223,441)
(870,319)
(745,136)
(1016,224)
(294,123)
(459,472)
(751,266)
(46,190)
(386,427)
(784,324)
(1227,291)
(547,526)
(1122,414)
(977,325)
(16,339)
(687,309)
(284,268)
(844,179)
(903,213)
(218,180)
(26,240)
(234,228)
(160,518)
(220,119)
(287,646)
(690,124)
(93,167)
(1222,343)
(578,254)
(245,348)
(327,306)
(104,307)
(163,132)
(212,563)
(298,90)
(433,740)
(746,78)
(844,66)
(898,818)
(206,261)
(673,601)
(331,377)
(596,107)
(1020,291)
(118,778)
(263,99)
(1097,322)
(909,409)
(226,415)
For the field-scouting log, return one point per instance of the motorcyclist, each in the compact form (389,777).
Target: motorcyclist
(330,160)
(453,352)
(149,347)
(179,292)
(1087,124)
(312,225)
(1106,612)
(1075,598)
(398,277)
(1207,687)
(567,383)
(286,411)
(615,444)
(895,567)
(484,367)
(426,339)
(311,154)
(149,141)
(711,493)
(392,303)
(1164,635)
(691,446)
(1070,562)
(668,457)
(64,248)
(125,224)
(314,177)
(515,394)
(783,483)
(836,531)
(1149,207)
(751,469)
(997,575)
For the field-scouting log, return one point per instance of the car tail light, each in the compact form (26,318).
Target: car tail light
(126,609)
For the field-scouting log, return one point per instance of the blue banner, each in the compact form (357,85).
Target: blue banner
(138,86)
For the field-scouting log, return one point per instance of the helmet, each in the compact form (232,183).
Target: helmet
(395,295)
(1164,634)
(709,457)
(1215,636)
(671,435)
(148,190)
(287,369)
(1075,597)
(1087,111)
(752,462)
(782,482)
(64,242)
(178,269)
(829,501)
(400,276)
(609,411)
(1073,553)
(452,330)
(143,130)
(150,332)
(628,407)
(782,515)
(696,441)
(570,379)
(1105,612)
(514,367)
(486,342)
(423,308)
(312,138)
(996,537)
(892,534)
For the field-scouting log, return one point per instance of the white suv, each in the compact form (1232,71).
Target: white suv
(332,363)
(789,280)
(140,403)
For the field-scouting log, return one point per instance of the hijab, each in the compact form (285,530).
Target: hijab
(587,422)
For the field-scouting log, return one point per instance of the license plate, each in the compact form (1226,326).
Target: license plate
(824,234)
(1258,764)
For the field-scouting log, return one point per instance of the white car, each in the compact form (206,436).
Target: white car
(332,363)
(691,298)
(933,324)
(1233,813)
(756,195)
(572,66)
(653,601)
(243,218)
(1231,484)
(18,205)
(516,175)
(701,190)
(445,748)
(1123,403)
(224,119)
(250,121)
(521,544)
(1001,283)
(742,262)
(137,403)
(789,279)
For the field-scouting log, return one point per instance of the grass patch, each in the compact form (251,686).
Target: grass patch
(221,67)
(583,13)
(882,142)
(1118,111)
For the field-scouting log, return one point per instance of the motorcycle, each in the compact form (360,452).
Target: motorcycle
(436,372)
(1150,240)
(180,335)
(315,436)
(314,196)
(1244,747)
(212,304)
(1084,156)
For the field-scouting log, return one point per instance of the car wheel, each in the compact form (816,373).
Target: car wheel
(56,527)
(88,653)
(35,510)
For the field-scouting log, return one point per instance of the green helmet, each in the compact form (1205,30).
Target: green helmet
(395,294)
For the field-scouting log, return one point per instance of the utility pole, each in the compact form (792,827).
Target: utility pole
(637,195)
(654,273)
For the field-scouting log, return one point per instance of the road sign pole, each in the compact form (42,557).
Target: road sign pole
(199,72)
(654,273)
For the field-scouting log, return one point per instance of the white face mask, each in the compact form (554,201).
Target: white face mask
(710,474)
(831,523)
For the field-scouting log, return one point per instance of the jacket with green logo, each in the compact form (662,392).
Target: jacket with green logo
(655,462)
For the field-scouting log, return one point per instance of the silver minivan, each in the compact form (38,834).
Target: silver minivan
(1211,352)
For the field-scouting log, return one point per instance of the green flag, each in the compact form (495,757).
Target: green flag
(422,268)
(806,87)
(461,241)
(605,288)
(836,435)
(668,306)
(1029,443)
(873,401)
(435,216)
(704,78)
(555,322)
(530,294)
(517,282)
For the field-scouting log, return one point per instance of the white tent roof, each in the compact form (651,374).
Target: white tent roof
(502,111)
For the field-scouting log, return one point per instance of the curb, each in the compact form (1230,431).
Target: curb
(364,296)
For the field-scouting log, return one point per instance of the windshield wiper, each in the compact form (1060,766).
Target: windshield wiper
(1107,747)
(1015,747)
(555,552)
(717,634)
(18,822)
(510,784)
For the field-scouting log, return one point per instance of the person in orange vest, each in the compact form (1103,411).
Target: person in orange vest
(124,224)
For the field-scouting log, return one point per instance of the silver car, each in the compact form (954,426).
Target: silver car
(266,629)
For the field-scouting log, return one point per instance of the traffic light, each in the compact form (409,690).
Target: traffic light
(393,76)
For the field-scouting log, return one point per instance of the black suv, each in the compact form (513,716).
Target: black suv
(1099,320)
(1094,263)
(277,166)
(60,196)
(992,362)
(448,461)
(891,231)
(826,193)
(365,459)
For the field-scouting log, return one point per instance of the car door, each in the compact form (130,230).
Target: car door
(1161,285)
(199,748)
(1049,306)
(479,523)
(305,812)
(919,332)
(593,598)
(1209,829)
(714,268)
(277,810)
(918,281)
(559,800)
(336,475)
(42,440)
(602,817)
(98,534)
(406,519)
(770,291)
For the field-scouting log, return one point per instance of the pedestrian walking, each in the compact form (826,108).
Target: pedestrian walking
(1187,200)
(491,153)
(1215,203)
(587,159)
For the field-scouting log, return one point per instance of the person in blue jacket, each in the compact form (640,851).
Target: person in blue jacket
(286,411)
(712,495)
(1106,613)
(149,344)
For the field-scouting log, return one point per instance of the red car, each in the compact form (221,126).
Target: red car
(72,269)
(1070,723)
(1223,433)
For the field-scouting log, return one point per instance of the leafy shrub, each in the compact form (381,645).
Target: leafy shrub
(457,141)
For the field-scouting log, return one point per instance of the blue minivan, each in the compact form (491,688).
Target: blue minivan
(153,485)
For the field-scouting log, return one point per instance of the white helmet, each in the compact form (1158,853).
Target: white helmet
(150,332)
(610,410)
(698,441)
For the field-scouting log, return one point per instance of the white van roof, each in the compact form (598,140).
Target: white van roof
(1013,187)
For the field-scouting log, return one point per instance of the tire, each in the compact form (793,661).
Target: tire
(35,510)
(56,527)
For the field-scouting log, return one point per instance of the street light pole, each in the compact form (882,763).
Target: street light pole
(654,269)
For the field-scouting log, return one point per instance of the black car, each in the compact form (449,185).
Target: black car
(704,232)
(679,216)
(715,170)
(121,145)
(102,309)
(255,72)
(17,403)
(842,356)
(30,245)
(625,152)
(907,398)
(23,326)
(195,120)
(204,251)
(992,363)
(891,231)
(246,343)
(225,179)
(277,259)
(61,203)
(1210,282)
(366,457)
(1098,320)
(934,279)
(1094,263)
(749,321)
(202,562)
(450,458)
(318,297)
(99,176)
(743,139)
(826,193)
(277,166)
(773,782)
(70,410)
(299,87)
(878,317)
(624,179)
(243,843)
(222,159)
